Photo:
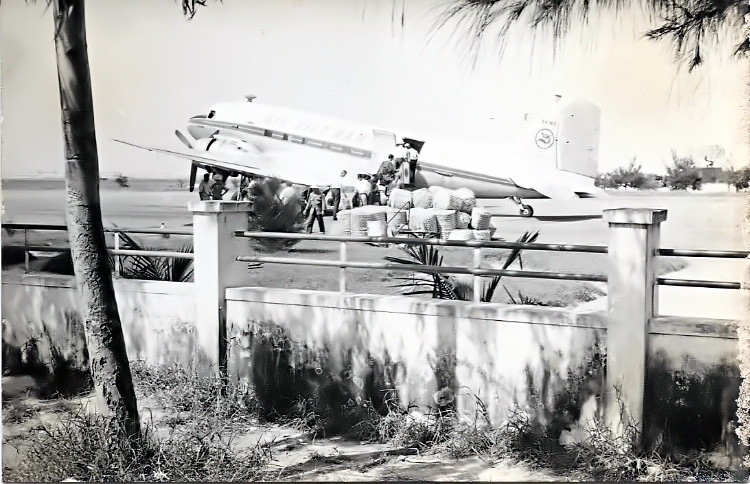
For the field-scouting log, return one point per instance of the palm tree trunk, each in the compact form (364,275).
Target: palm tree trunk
(108,359)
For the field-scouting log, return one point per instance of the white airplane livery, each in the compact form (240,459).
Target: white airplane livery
(554,155)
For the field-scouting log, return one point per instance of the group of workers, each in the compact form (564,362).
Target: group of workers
(392,173)
(212,189)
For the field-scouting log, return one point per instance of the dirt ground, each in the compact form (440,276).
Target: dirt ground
(295,456)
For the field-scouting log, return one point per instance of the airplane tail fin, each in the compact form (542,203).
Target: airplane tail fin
(578,138)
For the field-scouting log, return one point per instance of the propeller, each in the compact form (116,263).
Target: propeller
(183,138)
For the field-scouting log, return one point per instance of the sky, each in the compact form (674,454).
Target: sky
(152,69)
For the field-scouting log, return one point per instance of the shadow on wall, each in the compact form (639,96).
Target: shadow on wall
(338,385)
(59,365)
(692,406)
(555,402)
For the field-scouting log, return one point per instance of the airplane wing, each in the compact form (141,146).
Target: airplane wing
(207,159)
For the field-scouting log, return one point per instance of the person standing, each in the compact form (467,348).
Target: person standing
(386,170)
(336,193)
(363,189)
(314,210)
(204,189)
(218,189)
(374,195)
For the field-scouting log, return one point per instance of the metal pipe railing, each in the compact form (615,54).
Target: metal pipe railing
(117,252)
(719,254)
(662,281)
(424,268)
(130,230)
(154,253)
(494,244)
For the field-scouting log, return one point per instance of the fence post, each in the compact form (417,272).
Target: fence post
(477,280)
(342,272)
(214,270)
(26,259)
(632,302)
(117,256)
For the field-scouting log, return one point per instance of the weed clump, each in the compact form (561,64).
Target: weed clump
(89,447)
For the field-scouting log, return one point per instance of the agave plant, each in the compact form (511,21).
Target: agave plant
(153,268)
(272,214)
(447,287)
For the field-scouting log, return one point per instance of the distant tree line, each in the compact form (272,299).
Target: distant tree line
(681,175)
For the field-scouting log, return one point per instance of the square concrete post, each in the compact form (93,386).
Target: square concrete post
(215,269)
(632,302)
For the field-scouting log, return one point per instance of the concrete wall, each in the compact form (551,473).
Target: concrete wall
(548,363)
(364,346)
(158,319)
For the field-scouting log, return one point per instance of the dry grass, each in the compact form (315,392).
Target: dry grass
(195,441)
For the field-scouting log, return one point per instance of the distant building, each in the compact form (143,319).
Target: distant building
(712,174)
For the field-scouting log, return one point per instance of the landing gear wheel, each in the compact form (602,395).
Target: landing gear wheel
(526,211)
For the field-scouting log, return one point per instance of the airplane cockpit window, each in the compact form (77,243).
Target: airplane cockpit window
(211,114)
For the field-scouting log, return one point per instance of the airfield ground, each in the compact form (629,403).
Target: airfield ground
(702,220)
(695,220)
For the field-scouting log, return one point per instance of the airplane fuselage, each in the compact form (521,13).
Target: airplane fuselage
(557,156)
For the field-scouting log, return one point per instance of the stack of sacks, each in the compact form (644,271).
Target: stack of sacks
(461,234)
(396,219)
(468,200)
(361,215)
(446,221)
(482,234)
(422,198)
(446,200)
(376,228)
(463,220)
(345,219)
(400,198)
(422,220)
(480,218)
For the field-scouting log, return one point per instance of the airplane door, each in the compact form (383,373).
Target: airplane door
(384,144)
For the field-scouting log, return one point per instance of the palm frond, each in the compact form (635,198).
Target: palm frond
(690,25)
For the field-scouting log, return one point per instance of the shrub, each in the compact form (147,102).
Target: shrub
(122,180)
(739,179)
(683,173)
(271,214)
(630,176)
(176,269)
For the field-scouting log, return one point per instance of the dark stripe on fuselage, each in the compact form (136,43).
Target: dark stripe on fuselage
(282,136)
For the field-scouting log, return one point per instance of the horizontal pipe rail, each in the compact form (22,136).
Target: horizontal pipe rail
(424,268)
(154,253)
(148,231)
(662,281)
(41,248)
(15,226)
(62,228)
(494,244)
(719,254)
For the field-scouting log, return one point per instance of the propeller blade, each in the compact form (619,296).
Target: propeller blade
(193,173)
(183,138)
